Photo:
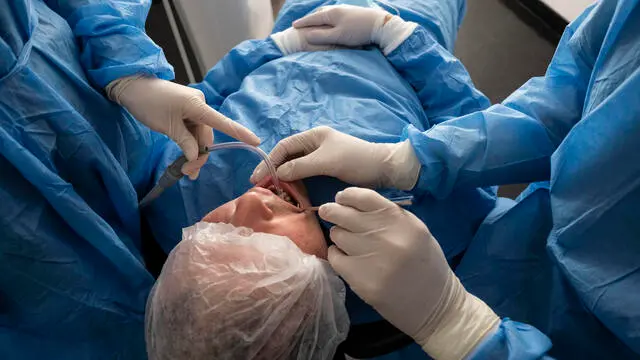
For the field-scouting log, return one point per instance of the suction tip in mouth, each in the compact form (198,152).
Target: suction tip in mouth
(289,194)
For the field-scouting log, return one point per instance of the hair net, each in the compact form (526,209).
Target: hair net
(230,293)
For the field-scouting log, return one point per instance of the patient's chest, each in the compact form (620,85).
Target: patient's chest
(354,91)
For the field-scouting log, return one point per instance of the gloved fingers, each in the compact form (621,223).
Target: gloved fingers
(199,112)
(258,173)
(348,242)
(323,36)
(204,137)
(312,47)
(185,140)
(278,155)
(338,260)
(345,217)
(302,168)
(322,16)
(350,268)
(294,146)
(365,200)
(192,168)
(293,170)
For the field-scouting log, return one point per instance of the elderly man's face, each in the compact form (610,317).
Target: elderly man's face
(263,211)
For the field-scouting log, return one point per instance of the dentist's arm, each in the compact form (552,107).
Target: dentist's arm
(442,83)
(507,143)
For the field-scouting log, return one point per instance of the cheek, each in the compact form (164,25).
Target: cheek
(222,214)
(305,231)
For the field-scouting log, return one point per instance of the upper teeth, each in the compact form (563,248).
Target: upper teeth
(284,196)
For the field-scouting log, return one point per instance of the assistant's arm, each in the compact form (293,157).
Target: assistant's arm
(507,143)
(112,39)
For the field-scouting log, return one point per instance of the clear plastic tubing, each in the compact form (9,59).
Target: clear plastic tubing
(255,150)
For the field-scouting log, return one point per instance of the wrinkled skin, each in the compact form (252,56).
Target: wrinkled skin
(263,211)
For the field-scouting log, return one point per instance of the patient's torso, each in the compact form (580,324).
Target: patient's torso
(357,92)
(354,91)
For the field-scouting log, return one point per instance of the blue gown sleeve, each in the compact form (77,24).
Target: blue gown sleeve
(513,340)
(506,143)
(441,82)
(226,76)
(112,39)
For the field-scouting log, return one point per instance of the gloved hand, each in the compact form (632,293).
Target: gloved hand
(391,260)
(178,111)
(325,151)
(292,40)
(354,26)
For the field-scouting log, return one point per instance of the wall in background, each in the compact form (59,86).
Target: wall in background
(214,27)
(568,9)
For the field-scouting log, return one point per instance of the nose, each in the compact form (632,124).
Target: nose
(251,209)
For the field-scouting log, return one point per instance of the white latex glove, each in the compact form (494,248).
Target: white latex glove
(178,111)
(325,151)
(355,26)
(292,40)
(391,260)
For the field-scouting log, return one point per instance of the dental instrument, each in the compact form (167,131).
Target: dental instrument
(173,174)
(399,200)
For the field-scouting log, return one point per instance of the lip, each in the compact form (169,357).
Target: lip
(289,189)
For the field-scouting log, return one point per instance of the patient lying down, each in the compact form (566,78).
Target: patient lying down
(238,287)
(262,210)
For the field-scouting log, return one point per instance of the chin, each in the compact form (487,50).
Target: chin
(313,241)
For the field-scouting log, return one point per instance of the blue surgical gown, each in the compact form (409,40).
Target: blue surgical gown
(355,91)
(564,257)
(73,284)
(72,281)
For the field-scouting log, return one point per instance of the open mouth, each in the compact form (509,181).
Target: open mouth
(283,195)
(289,195)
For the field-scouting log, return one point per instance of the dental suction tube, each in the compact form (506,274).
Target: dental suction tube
(255,150)
(173,173)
